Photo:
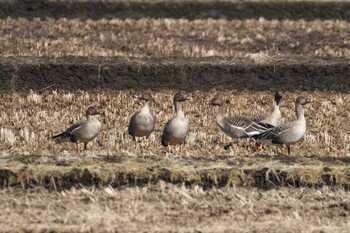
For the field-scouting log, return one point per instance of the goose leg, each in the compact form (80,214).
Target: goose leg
(148,141)
(85,145)
(288,147)
(169,148)
(78,147)
(181,149)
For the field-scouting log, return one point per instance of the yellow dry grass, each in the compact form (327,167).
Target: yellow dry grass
(169,208)
(173,37)
(28,121)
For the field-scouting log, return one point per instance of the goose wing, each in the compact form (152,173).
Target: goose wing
(245,126)
(166,136)
(258,118)
(274,134)
(69,132)
(132,124)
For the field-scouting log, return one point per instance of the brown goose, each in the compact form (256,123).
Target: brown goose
(176,129)
(142,123)
(83,131)
(287,133)
(236,127)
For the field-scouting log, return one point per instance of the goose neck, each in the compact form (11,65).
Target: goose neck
(299,111)
(146,107)
(177,106)
(221,113)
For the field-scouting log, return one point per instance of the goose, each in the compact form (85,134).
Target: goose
(236,127)
(84,131)
(288,133)
(176,129)
(142,123)
(272,117)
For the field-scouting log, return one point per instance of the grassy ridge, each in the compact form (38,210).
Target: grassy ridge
(259,172)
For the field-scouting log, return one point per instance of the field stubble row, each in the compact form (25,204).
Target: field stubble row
(169,208)
(173,37)
(28,120)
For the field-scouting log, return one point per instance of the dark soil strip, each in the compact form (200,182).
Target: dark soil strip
(188,10)
(72,73)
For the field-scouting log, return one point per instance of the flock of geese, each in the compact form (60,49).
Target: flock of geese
(264,128)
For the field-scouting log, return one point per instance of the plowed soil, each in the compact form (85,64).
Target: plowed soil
(188,74)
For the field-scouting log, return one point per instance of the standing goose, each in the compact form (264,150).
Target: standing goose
(176,129)
(288,133)
(236,127)
(142,123)
(83,131)
(272,117)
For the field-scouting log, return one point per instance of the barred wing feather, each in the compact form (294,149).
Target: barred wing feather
(246,126)
(69,131)
(258,118)
(274,133)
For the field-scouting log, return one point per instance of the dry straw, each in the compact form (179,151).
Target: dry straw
(29,120)
(173,37)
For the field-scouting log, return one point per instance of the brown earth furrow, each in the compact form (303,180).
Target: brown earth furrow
(307,10)
(118,73)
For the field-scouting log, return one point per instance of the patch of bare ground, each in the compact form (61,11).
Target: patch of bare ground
(195,9)
(256,72)
(173,37)
(168,208)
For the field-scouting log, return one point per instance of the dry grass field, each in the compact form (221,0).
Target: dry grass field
(170,208)
(174,37)
(29,120)
(59,57)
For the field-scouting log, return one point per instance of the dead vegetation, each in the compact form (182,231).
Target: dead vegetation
(118,185)
(173,37)
(31,158)
(29,120)
(168,208)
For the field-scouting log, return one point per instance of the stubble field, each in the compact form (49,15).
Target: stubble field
(57,60)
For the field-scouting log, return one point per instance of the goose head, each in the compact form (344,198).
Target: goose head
(302,101)
(145,96)
(180,97)
(216,101)
(91,111)
(278,97)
